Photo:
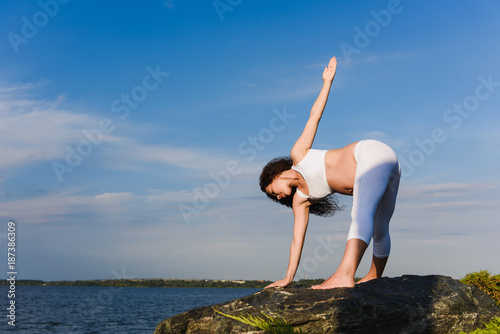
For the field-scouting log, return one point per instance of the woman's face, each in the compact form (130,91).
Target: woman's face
(279,188)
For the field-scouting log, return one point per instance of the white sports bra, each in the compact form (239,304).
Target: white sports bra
(312,169)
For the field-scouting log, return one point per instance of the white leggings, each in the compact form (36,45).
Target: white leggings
(374,195)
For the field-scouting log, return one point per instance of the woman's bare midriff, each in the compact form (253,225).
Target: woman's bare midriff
(340,166)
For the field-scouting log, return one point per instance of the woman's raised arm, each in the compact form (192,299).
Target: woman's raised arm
(304,143)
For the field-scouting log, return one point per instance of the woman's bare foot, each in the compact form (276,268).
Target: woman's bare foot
(344,275)
(366,279)
(335,282)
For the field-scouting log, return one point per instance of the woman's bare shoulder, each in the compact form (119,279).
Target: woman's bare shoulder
(299,203)
(298,155)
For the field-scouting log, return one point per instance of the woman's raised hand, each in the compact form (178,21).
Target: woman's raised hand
(329,72)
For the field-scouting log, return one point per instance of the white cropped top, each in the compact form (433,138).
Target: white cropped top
(312,169)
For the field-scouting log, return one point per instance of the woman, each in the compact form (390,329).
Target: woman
(368,170)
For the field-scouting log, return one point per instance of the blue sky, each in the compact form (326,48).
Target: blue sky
(133,133)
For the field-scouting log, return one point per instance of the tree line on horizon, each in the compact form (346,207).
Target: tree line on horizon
(158,283)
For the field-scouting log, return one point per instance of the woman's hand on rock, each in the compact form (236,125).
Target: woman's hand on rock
(279,284)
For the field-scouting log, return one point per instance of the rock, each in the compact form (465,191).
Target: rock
(406,304)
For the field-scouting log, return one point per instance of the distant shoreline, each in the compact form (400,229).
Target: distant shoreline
(158,283)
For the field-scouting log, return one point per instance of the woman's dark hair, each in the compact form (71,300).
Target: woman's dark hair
(324,207)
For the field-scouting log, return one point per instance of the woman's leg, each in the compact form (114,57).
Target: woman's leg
(376,269)
(381,237)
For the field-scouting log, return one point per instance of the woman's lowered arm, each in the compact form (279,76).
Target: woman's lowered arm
(301,219)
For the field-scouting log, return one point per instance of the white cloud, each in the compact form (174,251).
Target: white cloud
(370,58)
(125,153)
(49,208)
(442,190)
(114,196)
(445,205)
(40,130)
(120,207)
(20,87)
(169,3)
(35,130)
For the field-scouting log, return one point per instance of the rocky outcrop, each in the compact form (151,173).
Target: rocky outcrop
(406,304)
